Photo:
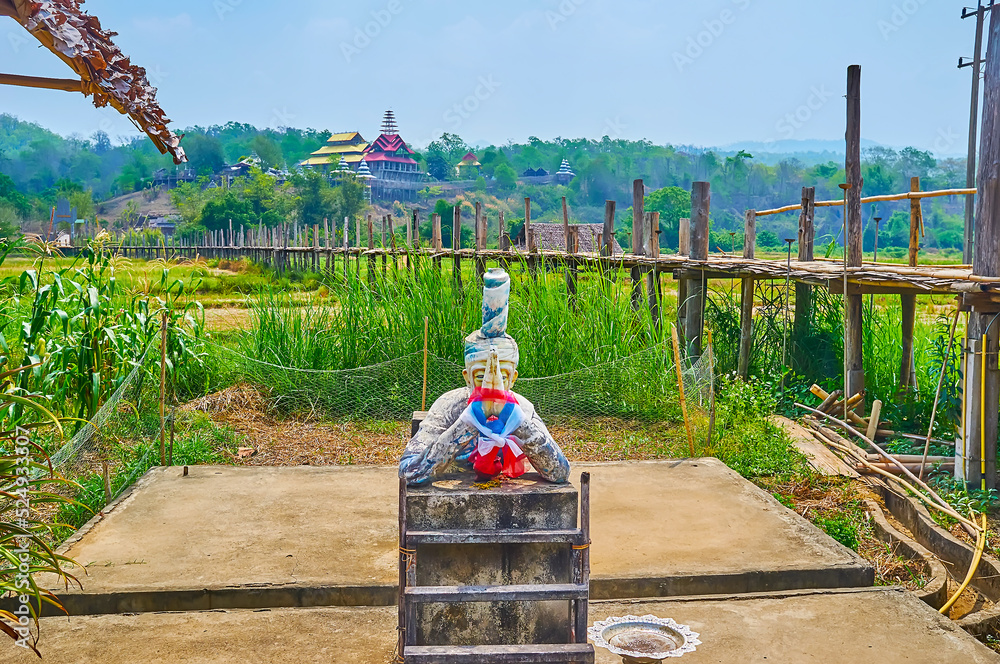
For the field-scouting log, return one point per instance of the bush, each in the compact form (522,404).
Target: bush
(840,529)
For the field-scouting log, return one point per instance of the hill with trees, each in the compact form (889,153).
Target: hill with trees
(38,166)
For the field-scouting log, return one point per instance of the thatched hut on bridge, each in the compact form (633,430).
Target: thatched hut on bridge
(551,237)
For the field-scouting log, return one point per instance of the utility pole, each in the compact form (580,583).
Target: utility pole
(970,174)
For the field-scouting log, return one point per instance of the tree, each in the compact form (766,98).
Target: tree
(102,143)
(10,222)
(437,165)
(268,151)
(506,177)
(205,154)
(218,212)
(673,204)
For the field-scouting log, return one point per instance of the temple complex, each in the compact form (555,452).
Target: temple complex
(349,146)
(387,163)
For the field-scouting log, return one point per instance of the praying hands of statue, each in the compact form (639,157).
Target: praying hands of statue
(484,425)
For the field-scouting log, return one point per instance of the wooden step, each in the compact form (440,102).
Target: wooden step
(491,536)
(573,652)
(526,593)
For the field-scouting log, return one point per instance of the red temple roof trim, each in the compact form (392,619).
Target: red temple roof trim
(381,156)
(106,73)
(389,143)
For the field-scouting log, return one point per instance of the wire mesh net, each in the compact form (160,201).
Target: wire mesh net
(640,385)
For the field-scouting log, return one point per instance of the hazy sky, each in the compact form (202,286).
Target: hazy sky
(704,73)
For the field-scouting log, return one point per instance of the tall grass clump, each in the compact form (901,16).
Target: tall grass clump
(362,351)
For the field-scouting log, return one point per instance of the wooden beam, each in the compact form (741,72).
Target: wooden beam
(65,84)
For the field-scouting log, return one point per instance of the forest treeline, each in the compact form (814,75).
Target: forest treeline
(38,166)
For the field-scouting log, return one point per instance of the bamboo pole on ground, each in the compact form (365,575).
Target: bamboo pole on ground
(680,388)
(937,392)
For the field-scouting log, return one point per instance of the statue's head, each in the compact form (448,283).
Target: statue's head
(492,336)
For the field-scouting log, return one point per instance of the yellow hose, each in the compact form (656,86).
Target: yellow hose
(980,545)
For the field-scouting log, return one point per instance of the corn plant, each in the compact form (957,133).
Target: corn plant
(26,480)
(82,334)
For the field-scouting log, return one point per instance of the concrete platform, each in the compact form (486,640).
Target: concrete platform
(229,537)
(872,626)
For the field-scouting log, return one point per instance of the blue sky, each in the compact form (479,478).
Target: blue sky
(706,73)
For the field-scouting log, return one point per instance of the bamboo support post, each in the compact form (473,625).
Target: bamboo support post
(983,384)
(701,196)
(638,233)
(807,235)
(480,242)
(907,375)
(853,355)
(653,291)
(746,296)
(684,249)
(456,246)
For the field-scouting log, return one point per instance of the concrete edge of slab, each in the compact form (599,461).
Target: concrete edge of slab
(612,589)
(108,509)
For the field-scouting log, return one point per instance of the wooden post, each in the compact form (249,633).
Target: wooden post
(480,242)
(347,242)
(416,239)
(746,296)
(456,245)
(907,373)
(608,238)
(385,220)
(982,389)
(638,230)
(807,235)
(371,247)
(315,248)
(437,244)
(527,225)
(565,210)
(683,249)
(504,241)
(853,355)
(701,196)
(572,248)
(653,293)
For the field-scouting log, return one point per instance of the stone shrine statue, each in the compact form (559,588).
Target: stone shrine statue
(485,425)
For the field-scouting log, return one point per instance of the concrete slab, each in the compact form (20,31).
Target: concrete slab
(872,626)
(233,537)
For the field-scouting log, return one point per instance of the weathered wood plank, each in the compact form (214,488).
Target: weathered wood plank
(518,593)
(573,652)
(492,536)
